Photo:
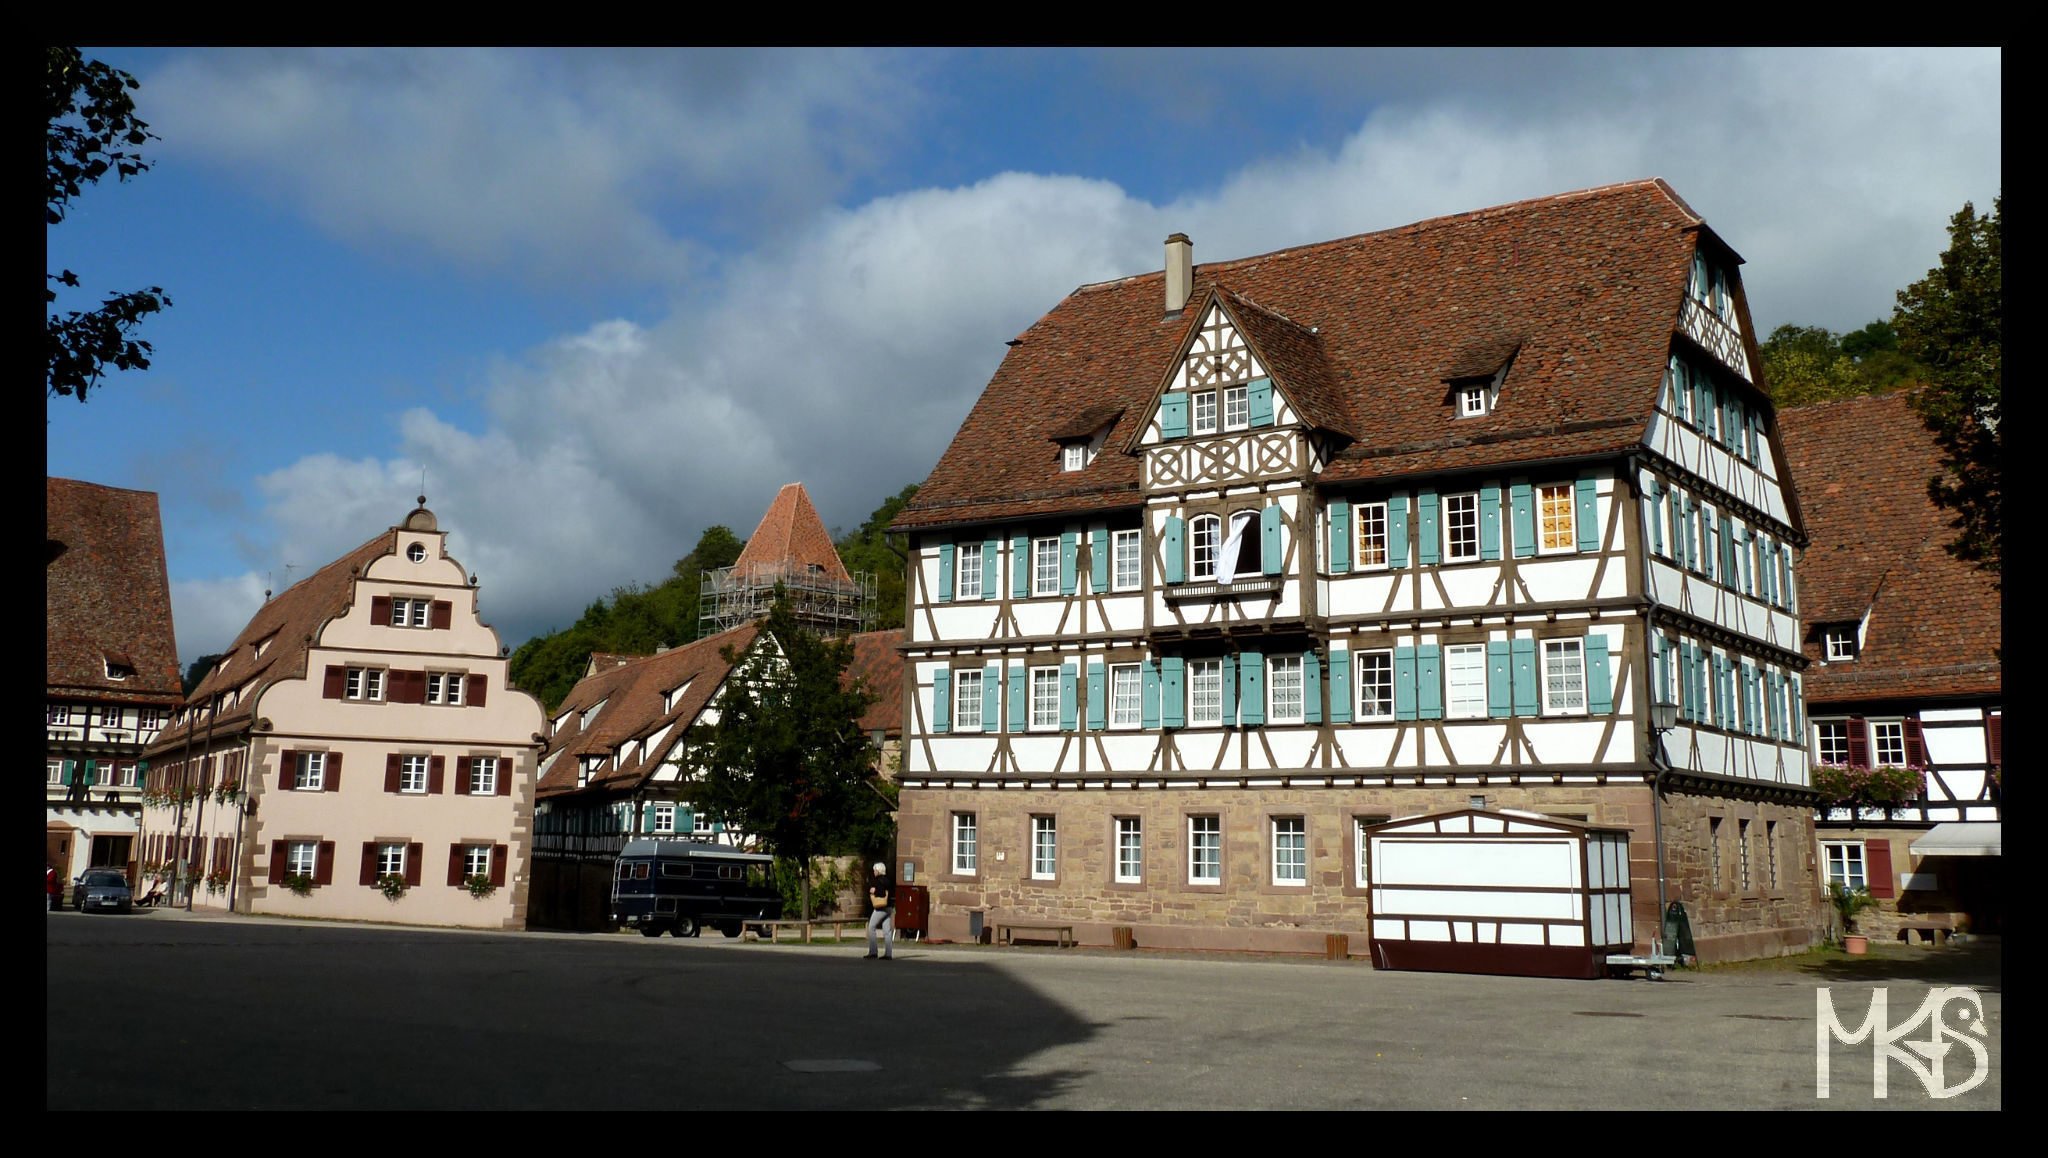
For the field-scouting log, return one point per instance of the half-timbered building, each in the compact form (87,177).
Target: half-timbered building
(357,753)
(1231,562)
(1904,645)
(111,662)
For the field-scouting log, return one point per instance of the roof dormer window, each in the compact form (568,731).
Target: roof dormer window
(1073,456)
(1475,399)
(119,669)
(1838,642)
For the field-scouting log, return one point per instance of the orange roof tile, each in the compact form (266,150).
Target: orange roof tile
(792,537)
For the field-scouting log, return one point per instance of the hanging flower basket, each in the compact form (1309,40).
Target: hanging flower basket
(1886,787)
(479,886)
(391,885)
(299,883)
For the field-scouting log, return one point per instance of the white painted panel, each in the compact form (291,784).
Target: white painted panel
(1487,932)
(1567,935)
(1463,903)
(1360,593)
(1371,748)
(1390,930)
(1036,754)
(1462,931)
(1291,748)
(1954,745)
(1949,715)
(1129,751)
(1472,743)
(1488,824)
(1475,862)
(1429,930)
(1521,934)
(1556,579)
(1040,617)
(1198,749)
(1598,921)
(1963,785)
(1564,741)
(970,620)
(1467,585)
(955,755)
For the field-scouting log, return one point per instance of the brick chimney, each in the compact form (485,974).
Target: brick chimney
(1180,272)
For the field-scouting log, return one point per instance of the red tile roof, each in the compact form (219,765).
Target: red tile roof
(878,664)
(1360,334)
(107,595)
(792,537)
(1861,467)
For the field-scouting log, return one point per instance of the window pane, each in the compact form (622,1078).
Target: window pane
(1126,552)
(1044,848)
(1205,849)
(1290,851)
(1461,526)
(1372,534)
(1045,566)
(1205,691)
(1203,535)
(967,581)
(1375,675)
(1045,697)
(1564,676)
(1130,849)
(1554,514)
(1284,685)
(967,700)
(1126,709)
(1465,680)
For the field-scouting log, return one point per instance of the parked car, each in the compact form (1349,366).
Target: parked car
(100,890)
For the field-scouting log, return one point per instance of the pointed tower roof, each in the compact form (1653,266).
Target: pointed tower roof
(792,534)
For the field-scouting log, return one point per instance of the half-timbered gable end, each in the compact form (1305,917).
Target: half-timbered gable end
(1375,526)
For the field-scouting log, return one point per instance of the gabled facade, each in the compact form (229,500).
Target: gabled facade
(1903,641)
(358,753)
(1232,562)
(111,669)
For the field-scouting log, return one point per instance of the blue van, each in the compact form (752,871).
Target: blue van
(680,886)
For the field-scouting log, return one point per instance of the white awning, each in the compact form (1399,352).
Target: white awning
(1958,838)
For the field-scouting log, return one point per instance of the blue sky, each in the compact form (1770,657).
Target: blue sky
(607,298)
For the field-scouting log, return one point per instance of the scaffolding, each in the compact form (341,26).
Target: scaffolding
(742,593)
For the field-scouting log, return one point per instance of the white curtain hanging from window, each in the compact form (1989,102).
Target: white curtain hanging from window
(1226,560)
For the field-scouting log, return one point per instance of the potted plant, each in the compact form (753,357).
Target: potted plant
(391,885)
(299,883)
(479,885)
(217,881)
(1848,902)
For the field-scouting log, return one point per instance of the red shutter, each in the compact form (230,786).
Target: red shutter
(1877,867)
(380,610)
(287,767)
(277,855)
(504,776)
(205,774)
(454,864)
(1859,743)
(336,680)
(462,776)
(1994,726)
(323,870)
(369,862)
(1916,747)
(413,855)
(498,865)
(391,772)
(475,699)
(332,781)
(436,765)
(444,613)
(409,687)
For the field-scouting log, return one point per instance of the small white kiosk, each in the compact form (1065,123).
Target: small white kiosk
(1474,891)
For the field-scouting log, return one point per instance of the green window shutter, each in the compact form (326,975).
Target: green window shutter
(1685,698)
(945,572)
(1599,692)
(1719,706)
(1738,427)
(991,698)
(1311,688)
(92,773)
(1744,572)
(1259,392)
(1756,437)
(1251,699)
(1710,542)
(1656,496)
(1589,514)
(1269,537)
(1397,531)
(1522,498)
(1793,702)
(1785,575)
(1149,712)
(1020,700)
(1429,681)
(1731,418)
(1489,522)
(1660,689)
(70,771)
(1098,697)
(1098,559)
(1700,672)
(1173,695)
(1404,683)
(1068,672)
(1500,680)
(1523,652)
(1771,701)
(1688,543)
(990,563)
(686,819)
(1070,543)
(1173,416)
(1174,550)
(1229,690)
(1020,567)
(1769,575)
(1702,400)
(1728,573)
(1428,539)
(1340,536)
(942,700)
(1340,686)
(1752,698)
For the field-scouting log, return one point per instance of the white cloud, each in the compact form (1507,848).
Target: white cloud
(210,613)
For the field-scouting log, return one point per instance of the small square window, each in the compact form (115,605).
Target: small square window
(483,776)
(1474,400)
(1564,677)
(311,774)
(1284,689)
(1073,456)
(1205,412)
(412,774)
(1839,642)
(476,860)
(391,860)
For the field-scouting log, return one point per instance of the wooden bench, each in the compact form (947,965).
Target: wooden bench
(1931,932)
(773,929)
(1006,933)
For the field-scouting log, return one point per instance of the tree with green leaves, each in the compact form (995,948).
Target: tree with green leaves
(1951,321)
(93,130)
(787,760)
(874,550)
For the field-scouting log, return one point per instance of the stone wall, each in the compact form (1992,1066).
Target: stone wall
(1731,920)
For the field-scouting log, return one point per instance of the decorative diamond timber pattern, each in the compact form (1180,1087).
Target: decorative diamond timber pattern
(1716,336)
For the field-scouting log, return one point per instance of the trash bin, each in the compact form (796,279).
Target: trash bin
(974,925)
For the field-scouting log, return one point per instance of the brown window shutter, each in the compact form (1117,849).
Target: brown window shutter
(337,677)
(369,862)
(462,776)
(1877,867)
(287,766)
(391,772)
(205,774)
(1859,743)
(504,776)
(475,698)
(498,865)
(413,855)
(410,687)
(1916,745)
(1994,726)
(331,782)
(444,613)
(380,610)
(277,855)
(323,865)
(436,765)
(454,864)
